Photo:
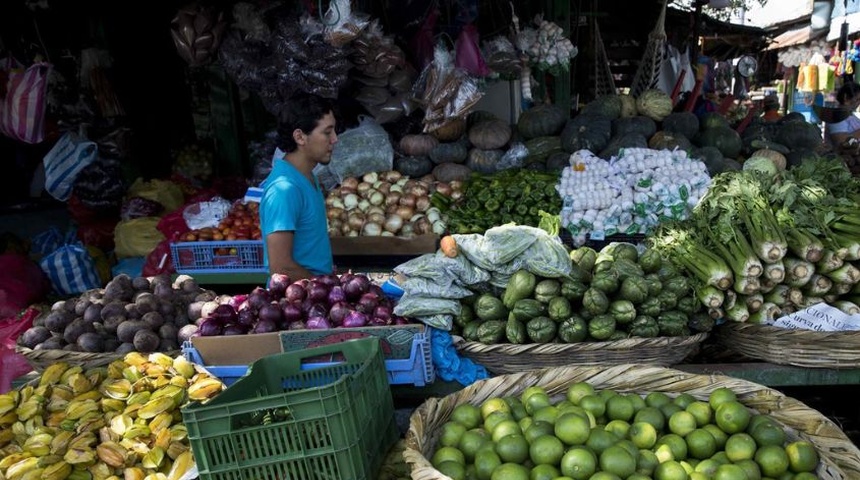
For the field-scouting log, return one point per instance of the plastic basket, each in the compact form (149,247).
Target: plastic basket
(282,422)
(240,256)
(415,370)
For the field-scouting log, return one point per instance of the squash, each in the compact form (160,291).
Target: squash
(796,157)
(630,140)
(796,135)
(448,172)
(541,121)
(628,106)
(490,134)
(484,161)
(640,125)
(413,166)
(541,148)
(417,145)
(669,141)
(589,132)
(454,129)
(654,104)
(712,120)
(449,152)
(608,106)
(777,158)
(724,138)
(712,157)
(685,123)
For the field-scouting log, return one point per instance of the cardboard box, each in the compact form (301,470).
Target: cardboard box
(384,245)
(245,349)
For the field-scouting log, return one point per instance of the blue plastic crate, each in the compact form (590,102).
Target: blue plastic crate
(239,256)
(416,370)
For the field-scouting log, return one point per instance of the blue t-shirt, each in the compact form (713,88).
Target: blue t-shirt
(292,203)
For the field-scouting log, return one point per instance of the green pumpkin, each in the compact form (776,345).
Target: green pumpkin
(589,132)
(639,125)
(630,140)
(669,141)
(452,152)
(557,161)
(541,121)
(413,166)
(484,161)
(712,120)
(490,134)
(724,138)
(608,106)
(685,123)
(797,135)
(541,148)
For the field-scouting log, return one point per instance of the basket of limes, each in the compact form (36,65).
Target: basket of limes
(629,422)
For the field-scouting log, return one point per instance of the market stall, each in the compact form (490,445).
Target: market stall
(472,252)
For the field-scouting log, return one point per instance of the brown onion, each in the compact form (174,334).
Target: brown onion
(422,203)
(393,198)
(456,184)
(384,188)
(375,209)
(444,189)
(393,223)
(423,226)
(370,177)
(391,176)
(363,187)
(371,229)
(378,218)
(408,200)
(350,182)
(404,211)
(391,209)
(456,195)
(344,191)
(355,220)
(334,212)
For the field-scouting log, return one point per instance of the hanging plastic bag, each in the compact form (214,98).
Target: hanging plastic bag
(422,43)
(22,110)
(21,283)
(159,260)
(165,192)
(469,54)
(13,364)
(71,269)
(137,237)
(342,26)
(64,162)
(363,149)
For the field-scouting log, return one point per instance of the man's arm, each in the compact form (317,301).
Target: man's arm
(280,247)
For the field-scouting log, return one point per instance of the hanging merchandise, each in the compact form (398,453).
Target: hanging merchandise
(468,54)
(449,94)
(197,33)
(547,47)
(341,25)
(22,110)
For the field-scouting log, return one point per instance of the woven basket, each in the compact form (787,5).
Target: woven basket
(41,359)
(840,459)
(511,358)
(802,348)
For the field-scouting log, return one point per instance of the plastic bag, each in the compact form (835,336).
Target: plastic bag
(449,364)
(98,233)
(468,54)
(206,214)
(159,260)
(137,237)
(22,282)
(422,42)
(441,322)
(173,225)
(64,162)
(497,247)
(342,26)
(167,193)
(361,150)
(99,186)
(418,306)
(136,207)
(71,269)
(514,158)
(546,257)
(23,104)
(427,288)
(502,57)
(13,364)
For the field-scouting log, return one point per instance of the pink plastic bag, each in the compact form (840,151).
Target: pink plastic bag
(13,364)
(422,42)
(22,110)
(468,54)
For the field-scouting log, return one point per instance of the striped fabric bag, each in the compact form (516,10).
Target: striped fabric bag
(22,109)
(71,269)
(63,163)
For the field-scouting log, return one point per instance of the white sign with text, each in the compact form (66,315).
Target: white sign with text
(819,317)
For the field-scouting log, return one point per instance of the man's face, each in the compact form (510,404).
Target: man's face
(319,143)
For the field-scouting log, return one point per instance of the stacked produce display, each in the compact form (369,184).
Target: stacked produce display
(118,421)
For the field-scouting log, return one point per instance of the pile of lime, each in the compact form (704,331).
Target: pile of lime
(606,435)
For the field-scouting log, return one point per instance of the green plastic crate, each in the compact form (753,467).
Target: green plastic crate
(279,422)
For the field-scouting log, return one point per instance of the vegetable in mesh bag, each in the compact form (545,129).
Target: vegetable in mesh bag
(419,306)
(441,269)
(428,288)
(546,257)
(99,185)
(136,207)
(442,322)
(363,149)
(497,246)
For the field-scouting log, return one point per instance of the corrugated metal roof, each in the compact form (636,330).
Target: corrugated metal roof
(797,36)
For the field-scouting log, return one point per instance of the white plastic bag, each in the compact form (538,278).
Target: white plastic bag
(363,149)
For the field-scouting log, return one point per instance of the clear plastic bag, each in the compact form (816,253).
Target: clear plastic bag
(361,150)
(442,322)
(502,57)
(419,306)
(428,288)
(514,157)
(342,25)
(497,247)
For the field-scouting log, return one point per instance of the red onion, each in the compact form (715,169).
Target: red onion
(246,317)
(336,295)
(223,314)
(355,319)
(264,326)
(209,328)
(356,287)
(258,298)
(367,303)
(278,284)
(328,280)
(295,292)
(317,310)
(317,323)
(318,292)
(234,329)
(272,313)
(236,301)
(382,312)
(299,325)
(291,313)
(338,312)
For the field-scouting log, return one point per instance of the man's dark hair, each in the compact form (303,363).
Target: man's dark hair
(302,112)
(849,90)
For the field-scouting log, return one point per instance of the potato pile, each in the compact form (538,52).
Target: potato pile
(140,314)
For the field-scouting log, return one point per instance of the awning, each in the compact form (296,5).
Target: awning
(797,36)
(853,20)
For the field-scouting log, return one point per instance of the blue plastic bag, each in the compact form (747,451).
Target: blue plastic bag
(449,364)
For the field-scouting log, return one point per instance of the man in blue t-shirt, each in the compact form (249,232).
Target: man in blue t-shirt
(292,210)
